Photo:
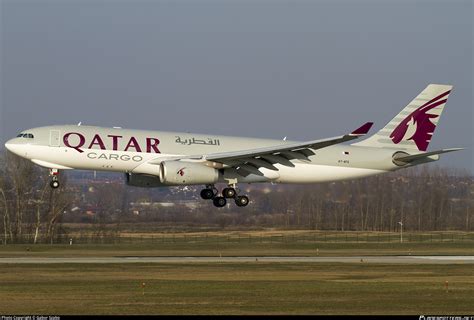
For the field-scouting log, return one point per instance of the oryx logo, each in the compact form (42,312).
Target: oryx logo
(417,126)
(181,171)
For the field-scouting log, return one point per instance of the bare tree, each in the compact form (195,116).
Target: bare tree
(7,231)
(39,207)
(59,201)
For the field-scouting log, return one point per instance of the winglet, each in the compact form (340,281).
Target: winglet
(362,130)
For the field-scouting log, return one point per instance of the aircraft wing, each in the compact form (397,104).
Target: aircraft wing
(249,161)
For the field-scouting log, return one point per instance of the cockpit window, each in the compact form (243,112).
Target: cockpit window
(26,135)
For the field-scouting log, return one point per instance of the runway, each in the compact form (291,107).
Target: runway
(300,259)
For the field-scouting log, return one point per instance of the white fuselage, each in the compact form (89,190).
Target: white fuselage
(140,152)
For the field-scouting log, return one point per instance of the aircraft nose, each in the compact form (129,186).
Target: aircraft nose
(9,145)
(13,146)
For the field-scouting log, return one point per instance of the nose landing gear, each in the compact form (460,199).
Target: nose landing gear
(54,178)
(54,184)
(210,192)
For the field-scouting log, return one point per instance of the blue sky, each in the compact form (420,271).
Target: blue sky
(302,69)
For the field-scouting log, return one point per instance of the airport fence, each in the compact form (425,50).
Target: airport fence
(255,237)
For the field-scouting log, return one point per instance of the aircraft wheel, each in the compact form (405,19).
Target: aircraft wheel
(219,202)
(242,201)
(207,194)
(228,193)
(54,184)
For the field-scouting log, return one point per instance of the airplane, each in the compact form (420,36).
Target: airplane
(162,159)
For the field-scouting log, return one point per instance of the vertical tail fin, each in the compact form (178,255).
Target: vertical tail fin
(413,128)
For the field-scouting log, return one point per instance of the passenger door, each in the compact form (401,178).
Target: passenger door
(54,138)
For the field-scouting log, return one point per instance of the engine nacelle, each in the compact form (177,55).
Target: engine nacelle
(180,172)
(143,180)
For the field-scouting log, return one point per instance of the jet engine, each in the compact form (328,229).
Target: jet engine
(179,172)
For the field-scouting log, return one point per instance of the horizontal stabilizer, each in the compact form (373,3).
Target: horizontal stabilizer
(414,157)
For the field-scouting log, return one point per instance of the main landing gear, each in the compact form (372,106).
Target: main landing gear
(54,178)
(211,192)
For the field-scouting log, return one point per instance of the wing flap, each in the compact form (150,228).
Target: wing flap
(249,168)
(275,158)
(314,144)
(260,163)
(247,162)
(250,161)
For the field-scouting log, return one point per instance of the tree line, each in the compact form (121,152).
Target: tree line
(424,198)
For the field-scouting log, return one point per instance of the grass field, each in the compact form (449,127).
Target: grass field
(251,288)
(238,288)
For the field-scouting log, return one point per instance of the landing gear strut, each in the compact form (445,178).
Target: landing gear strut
(54,178)
(210,192)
